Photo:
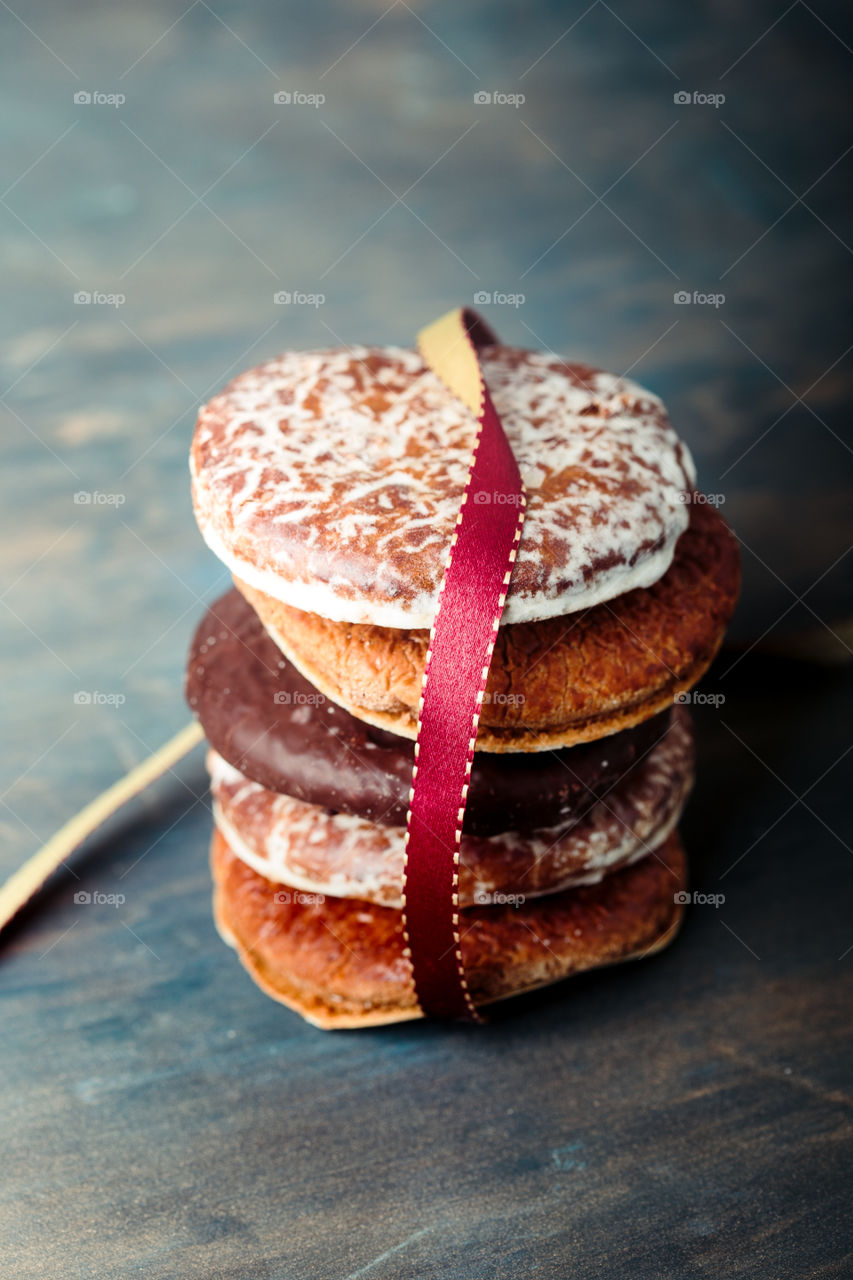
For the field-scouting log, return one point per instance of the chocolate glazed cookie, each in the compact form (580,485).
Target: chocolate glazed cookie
(266,720)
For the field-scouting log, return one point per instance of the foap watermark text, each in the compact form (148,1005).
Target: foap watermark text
(696,98)
(97,98)
(85,898)
(697,698)
(293,298)
(94,298)
(95,698)
(487,297)
(497,98)
(296,98)
(684,898)
(695,298)
(95,498)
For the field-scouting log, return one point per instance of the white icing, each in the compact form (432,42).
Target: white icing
(335,488)
(276,835)
(317,598)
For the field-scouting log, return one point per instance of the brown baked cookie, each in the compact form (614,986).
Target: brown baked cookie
(340,963)
(552,683)
(315,850)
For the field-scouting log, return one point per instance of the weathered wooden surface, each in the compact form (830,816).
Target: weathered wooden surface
(688,1116)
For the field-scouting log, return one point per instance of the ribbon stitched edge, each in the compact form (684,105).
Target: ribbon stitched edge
(471,600)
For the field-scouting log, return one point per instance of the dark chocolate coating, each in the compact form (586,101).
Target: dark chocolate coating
(266,720)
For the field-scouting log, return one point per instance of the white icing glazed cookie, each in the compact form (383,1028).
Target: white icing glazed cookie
(318,851)
(331,480)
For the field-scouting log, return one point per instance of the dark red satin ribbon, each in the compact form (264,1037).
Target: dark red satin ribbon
(470,606)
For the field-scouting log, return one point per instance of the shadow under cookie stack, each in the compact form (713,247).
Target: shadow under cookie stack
(329,482)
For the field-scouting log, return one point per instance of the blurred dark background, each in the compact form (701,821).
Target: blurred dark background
(626,154)
(394,194)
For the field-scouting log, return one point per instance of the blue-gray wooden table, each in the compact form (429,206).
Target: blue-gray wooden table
(188,188)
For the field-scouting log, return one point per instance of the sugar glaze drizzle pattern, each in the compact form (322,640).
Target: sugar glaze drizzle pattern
(332,481)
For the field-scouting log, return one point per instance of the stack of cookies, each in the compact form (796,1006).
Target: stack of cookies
(329,482)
